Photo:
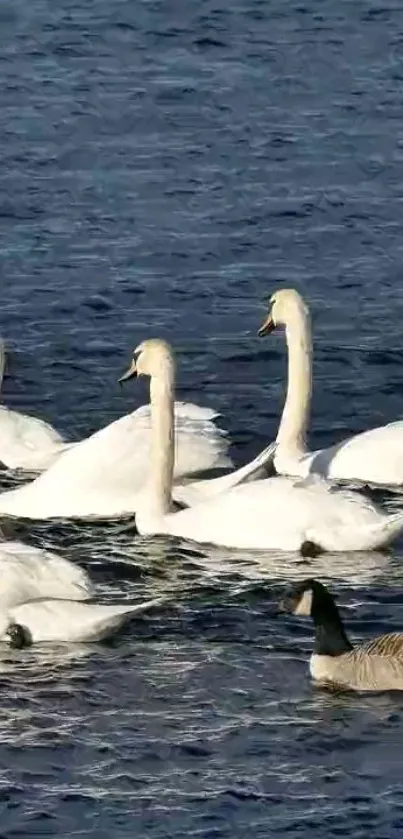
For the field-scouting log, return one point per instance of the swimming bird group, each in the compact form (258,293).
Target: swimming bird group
(151,463)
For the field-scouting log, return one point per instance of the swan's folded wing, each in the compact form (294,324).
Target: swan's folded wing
(103,475)
(374,456)
(200,444)
(186,411)
(28,573)
(261,515)
(27,442)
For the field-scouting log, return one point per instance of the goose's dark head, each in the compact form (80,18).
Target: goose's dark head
(311,598)
(306,598)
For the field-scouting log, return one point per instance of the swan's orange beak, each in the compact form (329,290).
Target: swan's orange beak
(267,326)
(131,373)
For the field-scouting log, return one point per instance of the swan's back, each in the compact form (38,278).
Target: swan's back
(376,453)
(278,513)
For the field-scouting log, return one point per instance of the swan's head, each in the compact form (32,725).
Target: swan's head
(152,358)
(285,305)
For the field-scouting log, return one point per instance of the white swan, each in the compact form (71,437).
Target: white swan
(43,598)
(103,475)
(68,621)
(276,513)
(374,456)
(26,443)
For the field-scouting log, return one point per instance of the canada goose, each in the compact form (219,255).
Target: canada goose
(374,666)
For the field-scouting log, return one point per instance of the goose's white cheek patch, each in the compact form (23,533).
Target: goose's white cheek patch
(304,605)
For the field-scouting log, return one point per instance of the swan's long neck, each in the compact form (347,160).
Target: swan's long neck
(294,421)
(162,444)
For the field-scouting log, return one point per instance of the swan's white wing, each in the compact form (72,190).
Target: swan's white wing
(70,621)
(103,475)
(195,492)
(200,444)
(375,456)
(27,442)
(27,573)
(277,514)
(185,412)
(258,516)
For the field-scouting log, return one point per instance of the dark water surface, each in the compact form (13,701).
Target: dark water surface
(164,167)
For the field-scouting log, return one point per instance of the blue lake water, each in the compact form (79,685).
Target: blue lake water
(164,167)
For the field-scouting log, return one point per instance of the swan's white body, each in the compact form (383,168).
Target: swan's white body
(103,476)
(27,573)
(276,513)
(374,456)
(46,595)
(70,621)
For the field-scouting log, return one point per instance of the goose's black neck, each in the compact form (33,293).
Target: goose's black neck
(330,636)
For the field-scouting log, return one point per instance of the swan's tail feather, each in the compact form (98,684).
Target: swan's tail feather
(260,467)
(370,536)
(146,605)
(382,534)
(115,617)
